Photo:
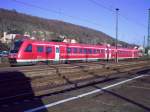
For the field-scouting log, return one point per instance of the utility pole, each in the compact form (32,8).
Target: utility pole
(148,37)
(144,50)
(116,43)
(144,42)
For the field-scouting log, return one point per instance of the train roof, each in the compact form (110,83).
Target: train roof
(63,43)
(76,44)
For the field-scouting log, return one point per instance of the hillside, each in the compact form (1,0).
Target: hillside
(14,22)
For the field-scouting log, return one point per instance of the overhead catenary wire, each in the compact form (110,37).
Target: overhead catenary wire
(79,18)
(101,5)
(55,11)
(112,10)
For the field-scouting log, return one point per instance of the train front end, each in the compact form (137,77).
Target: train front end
(15,51)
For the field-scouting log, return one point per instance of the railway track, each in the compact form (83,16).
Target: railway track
(7,65)
(38,82)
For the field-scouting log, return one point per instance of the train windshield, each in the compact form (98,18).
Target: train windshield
(16,46)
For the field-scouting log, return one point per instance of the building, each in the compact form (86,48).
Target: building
(7,38)
(67,40)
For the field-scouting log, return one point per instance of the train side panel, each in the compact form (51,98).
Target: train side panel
(38,51)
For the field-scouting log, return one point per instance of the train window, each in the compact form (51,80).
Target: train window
(89,51)
(57,50)
(39,48)
(16,46)
(102,51)
(28,48)
(85,51)
(68,50)
(48,49)
(75,50)
(135,53)
(80,50)
(94,51)
(98,51)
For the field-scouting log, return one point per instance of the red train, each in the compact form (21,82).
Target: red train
(32,52)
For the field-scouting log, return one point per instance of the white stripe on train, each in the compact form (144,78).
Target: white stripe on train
(84,59)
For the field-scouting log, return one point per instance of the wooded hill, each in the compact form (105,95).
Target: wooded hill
(12,21)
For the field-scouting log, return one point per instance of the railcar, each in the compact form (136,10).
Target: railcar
(32,52)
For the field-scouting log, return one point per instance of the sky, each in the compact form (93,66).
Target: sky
(96,14)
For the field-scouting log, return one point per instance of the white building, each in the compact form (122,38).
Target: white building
(7,37)
(69,40)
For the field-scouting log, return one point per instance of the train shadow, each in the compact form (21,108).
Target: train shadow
(16,93)
(145,71)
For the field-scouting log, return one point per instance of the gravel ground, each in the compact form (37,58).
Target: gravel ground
(132,96)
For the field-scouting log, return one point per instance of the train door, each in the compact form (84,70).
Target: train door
(40,53)
(113,54)
(57,53)
(28,53)
(133,54)
(109,53)
(106,53)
